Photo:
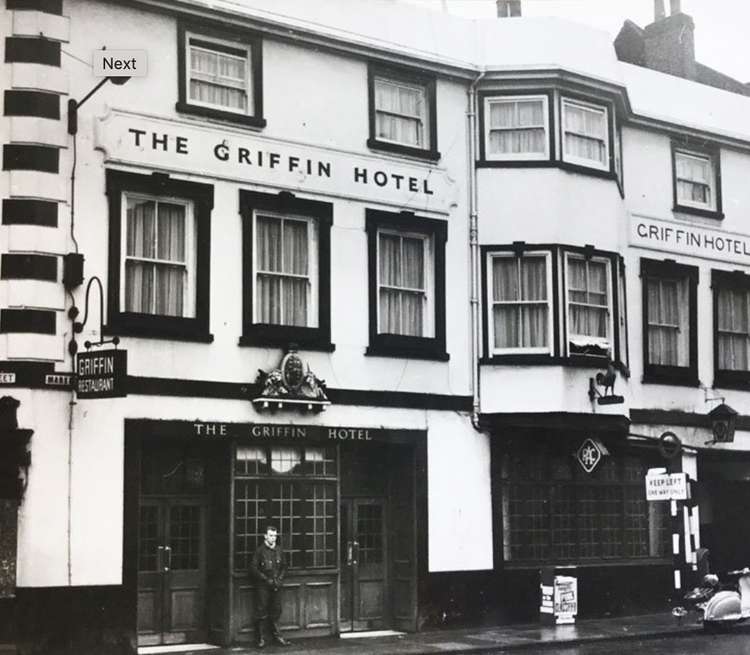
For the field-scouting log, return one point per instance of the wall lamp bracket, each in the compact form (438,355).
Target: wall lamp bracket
(79,325)
(75,105)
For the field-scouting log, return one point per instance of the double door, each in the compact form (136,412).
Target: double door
(171,571)
(364,580)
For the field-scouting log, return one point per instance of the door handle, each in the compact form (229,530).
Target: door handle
(349,553)
(356,552)
(168,552)
(160,557)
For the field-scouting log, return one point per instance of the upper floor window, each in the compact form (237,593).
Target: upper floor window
(220,75)
(669,322)
(407,286)
(517,127)
(731,328)
(589,305)
(520,301)
(286,264)
(402,113)
(585,134)
(696,182)
(159,256)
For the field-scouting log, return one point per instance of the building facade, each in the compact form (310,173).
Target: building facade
(320,269)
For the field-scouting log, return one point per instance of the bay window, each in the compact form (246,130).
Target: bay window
(585,134)
(406,285)
(159,256)
(669,322)
(589,301)
(517,127)
(520,299)
(286,264)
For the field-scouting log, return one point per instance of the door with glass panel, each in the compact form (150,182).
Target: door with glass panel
(171,571)
(364,594)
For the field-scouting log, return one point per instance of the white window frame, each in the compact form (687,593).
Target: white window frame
(491,303)
(190,289)
(702,156)
(521,156)
(428,319)
(313,274)
(424,119)
(234,45)
(581,161)
(610,340)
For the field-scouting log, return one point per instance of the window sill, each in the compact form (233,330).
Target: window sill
(574,361)
(229,116)
(156,327)
(739,380)
(281,336)
(517,163)
(696,211)
(407,352)
(397,148)
(606,174)
(676,378)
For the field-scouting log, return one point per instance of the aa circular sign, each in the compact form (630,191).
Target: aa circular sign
(669,445)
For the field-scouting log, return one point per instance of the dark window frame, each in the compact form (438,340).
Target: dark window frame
(155,326)
(714,154)
(268,334)
(245,41)
(658,373)
(408,76)
(735,280)
(397,345)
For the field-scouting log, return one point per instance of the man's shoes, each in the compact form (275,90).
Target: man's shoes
(279,640)
(260,643)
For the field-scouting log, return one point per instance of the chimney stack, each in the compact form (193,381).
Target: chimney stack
(508,8)
(669,43)
(659,10)
(674,7)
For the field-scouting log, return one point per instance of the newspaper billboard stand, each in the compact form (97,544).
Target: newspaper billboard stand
(559,595)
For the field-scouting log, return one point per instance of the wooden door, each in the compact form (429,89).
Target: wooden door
(364,597)
(171,571)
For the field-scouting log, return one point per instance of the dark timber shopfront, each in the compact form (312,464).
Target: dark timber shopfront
(348,503)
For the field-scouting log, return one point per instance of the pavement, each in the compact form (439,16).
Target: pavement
(486,639)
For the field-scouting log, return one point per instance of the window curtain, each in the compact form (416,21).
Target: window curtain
(734,329)
(588,304)
(668,326)
(585,133)
(400,113)
(517,127)
(217,78)
(519,294)
(155,258)
(282,260)
(694,179)
(401,262)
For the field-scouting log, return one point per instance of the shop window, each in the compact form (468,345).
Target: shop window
(552,511)
(159,256)
(589,300)
(521,302)
(296,493)
(669,322)
(517,128)
(407,285)
(220,75)
(402,112)
(286,271)
(731,328)
(585,134)
(696,177)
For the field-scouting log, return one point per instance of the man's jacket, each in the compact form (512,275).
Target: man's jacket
(268,565)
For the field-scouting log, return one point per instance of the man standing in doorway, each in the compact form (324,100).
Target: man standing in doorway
(268,568)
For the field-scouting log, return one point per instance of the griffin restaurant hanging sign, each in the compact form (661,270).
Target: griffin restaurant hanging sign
(228,154)
(101,374)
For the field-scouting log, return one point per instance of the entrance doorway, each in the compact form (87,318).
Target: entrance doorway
(363,564)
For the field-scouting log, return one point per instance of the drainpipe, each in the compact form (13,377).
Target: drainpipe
(474,249)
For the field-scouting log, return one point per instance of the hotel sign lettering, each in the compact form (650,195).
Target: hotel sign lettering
(235,155)
(689,239)
(278,432)
(101,374)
